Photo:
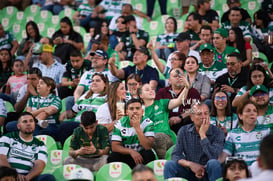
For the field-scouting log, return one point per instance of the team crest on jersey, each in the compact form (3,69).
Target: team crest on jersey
(259,135)
(156,107)
(24,146)
(267,119)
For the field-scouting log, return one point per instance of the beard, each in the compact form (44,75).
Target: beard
(27,132)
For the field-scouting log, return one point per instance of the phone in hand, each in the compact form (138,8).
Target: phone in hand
(86,144)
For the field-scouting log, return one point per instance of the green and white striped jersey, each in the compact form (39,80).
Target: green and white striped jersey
(226,123)
(126,134)
(243,90)
(214,71)
(37,102)
(245,144)
(267,118)
(3,110)
(21,155)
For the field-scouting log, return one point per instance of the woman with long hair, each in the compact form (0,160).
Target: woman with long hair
(33,36)
(221,114)
(257,76)
(236,40)
(5,67)
(66,39)
(114,108)
(133,82)
(235,168)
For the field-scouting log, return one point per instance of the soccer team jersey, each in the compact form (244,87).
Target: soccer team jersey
(243,90)
(167,39)
(229,123)
(85,10)
(222,57)
(126,134)
(3,111)
(267,118)
(245,144)
(214,71)
(21,155)
(244,26)
(5,42)
(37,102)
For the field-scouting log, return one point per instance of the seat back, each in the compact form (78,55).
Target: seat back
(48,141)
(158,167)
(168,155)
(63,173)
(114,171)
(55,160)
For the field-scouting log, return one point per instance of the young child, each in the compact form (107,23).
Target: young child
(17,80)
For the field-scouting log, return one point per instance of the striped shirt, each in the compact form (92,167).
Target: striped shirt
(243,90)
(245,144)
(226,123)
(85,10)
(243,25)
(267,118)
(6,40)
(167,39)
(3,110)
(214,71)
(126,134)
(21,155)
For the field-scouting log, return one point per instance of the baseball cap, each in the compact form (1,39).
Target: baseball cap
(47,48)
(232,1)
(205,46)
(258,88)
(183,36)
(142,50)
(81,174)
(99,53)
(222,32)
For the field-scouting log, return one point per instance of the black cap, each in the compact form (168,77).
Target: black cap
(143,50)
(183,36)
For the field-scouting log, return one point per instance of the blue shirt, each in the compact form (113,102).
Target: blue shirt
(147,74)
(189,145)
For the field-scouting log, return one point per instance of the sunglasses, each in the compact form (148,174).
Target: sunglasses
(218,98)
(233,158)
(259,94)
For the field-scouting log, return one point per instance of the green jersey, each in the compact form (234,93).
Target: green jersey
(167,39)
(243,90)
(88,104)
(194,36)
(243,25)
(85,10)
(21,155)
(222,57)
(267,118)
(6,40)
(3,110)
(214,71)
(37,102)
(158,112)
(126,134)
(245,144)
(229,123)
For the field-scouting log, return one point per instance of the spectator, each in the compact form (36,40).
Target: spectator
(28,90)
(205,36)
(158,112)
(3,112)
(235,78)
(5,67)
(33,36)
(110,112)
(197,148)
(8,41)
(208,16)
(147,73)
(143,173)
(19,4)
(257,76)
(164,45)
(133,82)
(7,173)
(17,80)
(128,44)
(121,29)
(196,80)
(48,65)
(135,148)
(186,4)
(29,166)
(178,116)
(265,160)
(74,69)
(249,133)
(221,49)
(209,67)
(235,168)
(192,26)
(221,114)
(150,7)
(66,39)
(89,146)
(56,7)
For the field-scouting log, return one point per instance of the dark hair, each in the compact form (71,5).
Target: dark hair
(242,164)
(228,111)
(195,16)
(97,30)
(263,16)
(105,80)
(69,23)
(50,82)
(235,54)
(36,71)
(191,56)
(181,56)
(249,83)
(239,41)
(112,98)
(141,168)
(36,29)
(16,60)
(241,107)
(266,150)
(88,118)
(134,76)
(129,5)
(131,101)
(25,114)
(235,9)
(174,22)
(8,172)
(206,27)
(257,60)
(9,62)
(75,53)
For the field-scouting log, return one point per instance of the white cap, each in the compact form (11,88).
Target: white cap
(81,174)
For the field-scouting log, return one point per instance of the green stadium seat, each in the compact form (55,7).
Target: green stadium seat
(125,63)
(251,6)
(80,30)
(158,168)
(63,173)
(55,21)
(8,12)
(114,171)
(7,23)
(67,12)
(173,136)
(140,5)
(168,155)
(9,106)
(20,17)
(67,144)
(44,16)
(55,160)
(176,179)
(32,10)
(17,31)
(260,55)
(42,28)
(48,141)
(154,28)
(174,8)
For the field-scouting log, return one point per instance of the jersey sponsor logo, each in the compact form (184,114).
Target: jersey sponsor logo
(259,135)
(238,138)
(14,152)
(156,107)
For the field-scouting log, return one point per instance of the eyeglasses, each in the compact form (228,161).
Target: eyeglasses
(231,63)
(232,158)
(97,58)
(132,84)
(257,76)
(174,59)
(262,94)
(218,98)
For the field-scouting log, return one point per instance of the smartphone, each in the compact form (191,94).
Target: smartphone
(86,144)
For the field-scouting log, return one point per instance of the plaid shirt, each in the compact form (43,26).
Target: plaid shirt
(190,147)
(55,71)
